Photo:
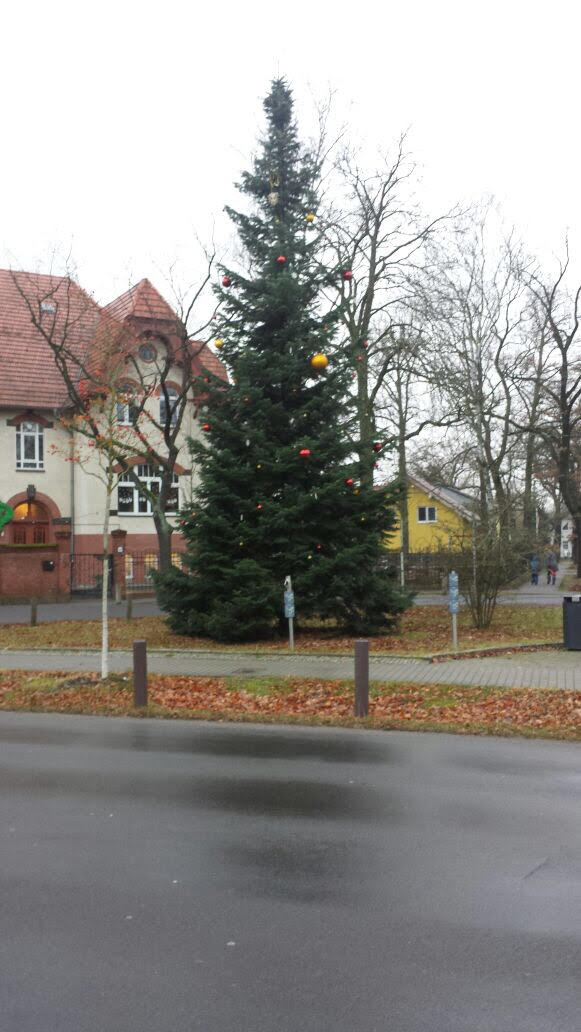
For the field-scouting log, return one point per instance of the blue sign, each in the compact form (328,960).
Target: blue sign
(289,605)
(453,599)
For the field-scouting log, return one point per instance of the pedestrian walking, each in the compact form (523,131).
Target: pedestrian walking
(535,567)
(552,568)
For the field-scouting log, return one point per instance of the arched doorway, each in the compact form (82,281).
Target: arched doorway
(30,524)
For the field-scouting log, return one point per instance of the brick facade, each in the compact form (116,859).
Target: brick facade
(34,571)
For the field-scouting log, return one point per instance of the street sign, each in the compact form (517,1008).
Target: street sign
(289,604)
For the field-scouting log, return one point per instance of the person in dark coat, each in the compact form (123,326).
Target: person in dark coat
(552,568)
(535,567)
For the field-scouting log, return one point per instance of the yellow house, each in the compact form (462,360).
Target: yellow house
(436,516)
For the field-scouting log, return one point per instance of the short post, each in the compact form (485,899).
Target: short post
(361,677)
(289,610)
(401,569)
(139,673)
(129,612)
(33,612)
(453,603)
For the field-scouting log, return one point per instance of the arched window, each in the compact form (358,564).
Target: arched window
(172,400)
(30,524)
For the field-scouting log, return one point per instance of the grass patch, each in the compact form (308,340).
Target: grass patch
(418,707)
(423,630)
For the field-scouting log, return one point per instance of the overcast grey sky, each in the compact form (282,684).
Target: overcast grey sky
(125,124)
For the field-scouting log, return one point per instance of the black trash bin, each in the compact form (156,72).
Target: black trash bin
(572,622)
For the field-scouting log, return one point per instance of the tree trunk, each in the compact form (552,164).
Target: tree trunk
(366,424)
(577,542)
(501,500)
(528,499)
(164,533)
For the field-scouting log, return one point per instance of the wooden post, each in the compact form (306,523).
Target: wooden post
(361,678)
(129,613)
(139,673)
(33,612)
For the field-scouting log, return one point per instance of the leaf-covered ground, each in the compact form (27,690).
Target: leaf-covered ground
(422,630)
(464,710)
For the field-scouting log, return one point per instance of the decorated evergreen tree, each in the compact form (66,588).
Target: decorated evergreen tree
(278,492)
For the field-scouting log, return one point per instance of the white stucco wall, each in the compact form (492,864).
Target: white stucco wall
(55,480)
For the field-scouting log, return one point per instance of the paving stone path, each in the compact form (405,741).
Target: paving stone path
(556,670)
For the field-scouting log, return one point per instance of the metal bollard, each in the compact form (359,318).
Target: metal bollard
(33,612)
(140,673)
(361,677)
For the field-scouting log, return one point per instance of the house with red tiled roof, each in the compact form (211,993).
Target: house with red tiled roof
(58,506)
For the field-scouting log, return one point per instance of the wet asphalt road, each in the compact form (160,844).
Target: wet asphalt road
(161,877)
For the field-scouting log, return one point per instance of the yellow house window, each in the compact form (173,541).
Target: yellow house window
(427,514)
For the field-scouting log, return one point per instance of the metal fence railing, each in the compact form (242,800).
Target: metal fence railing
(139,567)
(421,571)
(87,575)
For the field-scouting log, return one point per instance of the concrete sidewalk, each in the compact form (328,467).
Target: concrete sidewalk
(554,670)
(90,608)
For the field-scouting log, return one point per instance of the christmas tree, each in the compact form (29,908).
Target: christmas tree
(278,493)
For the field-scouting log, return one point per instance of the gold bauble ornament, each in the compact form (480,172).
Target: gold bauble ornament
(218,343)
(319,362)
(309,217)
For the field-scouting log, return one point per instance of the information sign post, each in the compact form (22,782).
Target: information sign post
(289,610)
(453,603)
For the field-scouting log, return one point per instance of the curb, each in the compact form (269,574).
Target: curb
(502,650)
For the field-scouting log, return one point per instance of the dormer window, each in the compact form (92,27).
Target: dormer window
(29,446)
(47,307)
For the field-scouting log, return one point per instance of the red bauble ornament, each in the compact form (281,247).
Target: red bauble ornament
(304,453)
(377,447)
(226,281)
(349,481)
(259,506)
(318,547)
(281,259)
(365,344)
(347,274)
(206,427)
(359,358)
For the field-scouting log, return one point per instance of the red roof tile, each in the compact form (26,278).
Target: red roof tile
(206,361)
(29,377)
(141,302)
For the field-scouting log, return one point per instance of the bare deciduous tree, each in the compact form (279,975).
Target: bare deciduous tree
(374,233)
